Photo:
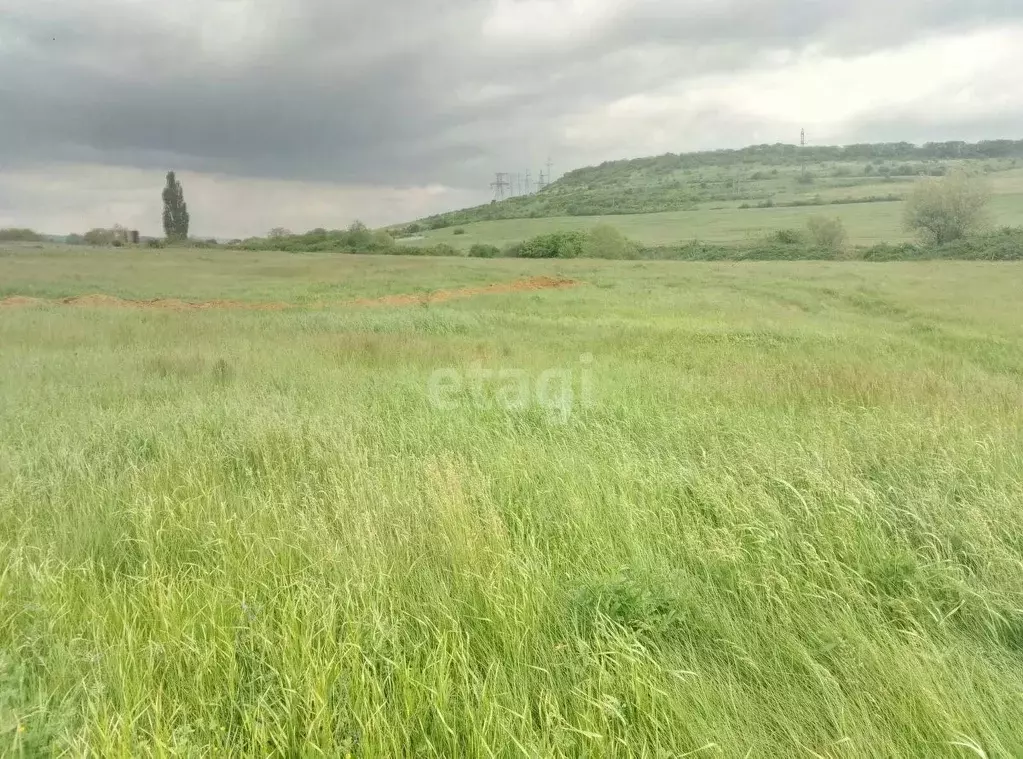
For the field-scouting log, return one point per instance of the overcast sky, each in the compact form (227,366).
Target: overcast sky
(308,113)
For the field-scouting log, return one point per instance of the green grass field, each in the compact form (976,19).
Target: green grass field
(777,514)
(867,223)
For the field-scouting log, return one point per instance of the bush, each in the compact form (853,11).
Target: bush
(359,236)
(827,233)
(806,178)
(484,251)
(553,245)
(381,241)
(13,234)
(458,231)
(605,241)
(945,210)
(787,237)
(99,236)
(356,239)
(440,249)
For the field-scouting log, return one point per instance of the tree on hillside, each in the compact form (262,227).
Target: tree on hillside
(947,209)
(175,211)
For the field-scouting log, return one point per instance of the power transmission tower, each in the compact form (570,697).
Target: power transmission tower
(529,190)
(499,185)
(541,183)
(550,176)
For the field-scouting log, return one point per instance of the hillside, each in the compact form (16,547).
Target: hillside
(762,176)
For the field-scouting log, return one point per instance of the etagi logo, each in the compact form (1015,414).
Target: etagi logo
(556,391)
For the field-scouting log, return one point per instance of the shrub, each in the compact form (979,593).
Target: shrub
(605,241)
(381,241)
(947,209)
(827,233)
(787,237)
(99,236)
(458,231)
(806,178)
(440,249)
(358,236)
(484,251)
(553,245)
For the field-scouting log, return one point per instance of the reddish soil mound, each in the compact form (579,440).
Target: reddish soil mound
(173,304)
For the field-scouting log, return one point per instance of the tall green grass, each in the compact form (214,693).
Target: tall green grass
(788,524)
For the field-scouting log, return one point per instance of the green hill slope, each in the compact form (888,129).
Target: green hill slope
(762,176)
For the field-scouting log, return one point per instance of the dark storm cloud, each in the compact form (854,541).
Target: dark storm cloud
(391,92)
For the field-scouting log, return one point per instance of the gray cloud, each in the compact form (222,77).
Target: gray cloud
(406,93)
(388,92)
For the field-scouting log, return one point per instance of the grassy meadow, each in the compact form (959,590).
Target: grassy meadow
(776,514)
(727,222)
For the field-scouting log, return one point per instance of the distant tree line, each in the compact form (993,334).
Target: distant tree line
(783,154)
(16,234)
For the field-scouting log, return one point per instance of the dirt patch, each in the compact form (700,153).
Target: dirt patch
(173,304)
(20,300)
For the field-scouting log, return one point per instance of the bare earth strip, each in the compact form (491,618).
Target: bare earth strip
(173,304)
